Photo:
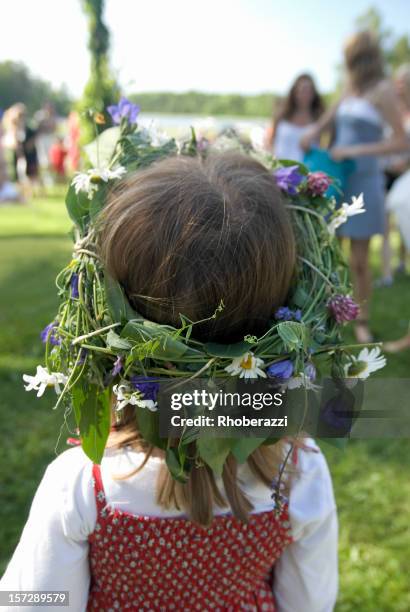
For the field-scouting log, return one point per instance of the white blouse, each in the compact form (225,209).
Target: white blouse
(53,550)
(287,140)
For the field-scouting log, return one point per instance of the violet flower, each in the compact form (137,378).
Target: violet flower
(288,179)
(124,110)
(286,314)
(83,356)
(281,370)
(50,334)
(310,371)
(343,308)
(74,286)
(147,386)
(118,365)
(318,183)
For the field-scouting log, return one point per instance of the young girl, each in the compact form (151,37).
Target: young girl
(301,108)
(124,535)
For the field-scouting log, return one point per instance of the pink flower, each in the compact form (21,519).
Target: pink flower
(343,308)
(318,183)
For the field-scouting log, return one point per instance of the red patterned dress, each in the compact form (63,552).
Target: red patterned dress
(154,563)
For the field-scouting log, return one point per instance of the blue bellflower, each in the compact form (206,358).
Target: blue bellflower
(124,110)
(147,386)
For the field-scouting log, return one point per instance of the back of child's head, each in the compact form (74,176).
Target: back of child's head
(182,236)
(185,235)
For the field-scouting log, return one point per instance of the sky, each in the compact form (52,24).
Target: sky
(243,46)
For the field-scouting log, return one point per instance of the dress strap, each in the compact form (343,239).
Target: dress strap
(98,489)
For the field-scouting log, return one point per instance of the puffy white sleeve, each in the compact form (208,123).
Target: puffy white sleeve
(306,575)
(52,554)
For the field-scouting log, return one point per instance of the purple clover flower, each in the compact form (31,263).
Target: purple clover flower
(147,386)
(118,365)
(288,179)
(74,286)
(281,370)
(318,183)
(286,314)
(343,308)
(50,334)
(124,110)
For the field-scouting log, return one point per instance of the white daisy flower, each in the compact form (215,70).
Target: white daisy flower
(365,363)
(346,211)
(88,181)
(247,366)
(44,379)
(125,395)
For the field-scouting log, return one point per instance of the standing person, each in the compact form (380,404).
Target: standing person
(300,109)
(125,534)
(8,192)
(46,122)
(395,167)
(73,141)
(57,156)
(369,102)
(21,138)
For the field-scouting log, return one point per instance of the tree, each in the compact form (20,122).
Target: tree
(395,50)
(101,89)
(17,84)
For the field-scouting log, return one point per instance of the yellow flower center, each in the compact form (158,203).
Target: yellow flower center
(246,364)
(357,368)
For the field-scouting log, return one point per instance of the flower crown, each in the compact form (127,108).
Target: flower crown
(97,343)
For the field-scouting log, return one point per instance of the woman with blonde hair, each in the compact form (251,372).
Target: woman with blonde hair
(368,104)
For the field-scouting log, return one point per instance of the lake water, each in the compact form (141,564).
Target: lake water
(179,124)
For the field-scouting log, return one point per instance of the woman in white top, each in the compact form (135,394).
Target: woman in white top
(359,118)
(300,109)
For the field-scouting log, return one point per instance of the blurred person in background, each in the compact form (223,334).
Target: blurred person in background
(73,147)
(8,192)
(57,157)
(21,139)
(396,166)
(298,112)
(46,122)
(369,103)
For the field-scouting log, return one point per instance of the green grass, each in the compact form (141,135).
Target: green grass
(371,478)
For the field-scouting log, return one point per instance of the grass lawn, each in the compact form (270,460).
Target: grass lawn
(371,478)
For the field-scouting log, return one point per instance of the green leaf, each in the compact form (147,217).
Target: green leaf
(214,451)
(116,342)
(78,207)
(293,334)
(166,347)
(100,150)
(300,298)
(148,426)
(93,416)
(244,447)
(229,351)
(118,304)
(176,465)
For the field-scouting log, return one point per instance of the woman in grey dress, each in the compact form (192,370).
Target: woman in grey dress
(369,103)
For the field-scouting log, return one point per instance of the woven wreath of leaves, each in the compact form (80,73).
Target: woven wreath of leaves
(96,325)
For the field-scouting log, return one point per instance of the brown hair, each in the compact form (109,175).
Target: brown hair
(364,61)
(181,236)
(289,104)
